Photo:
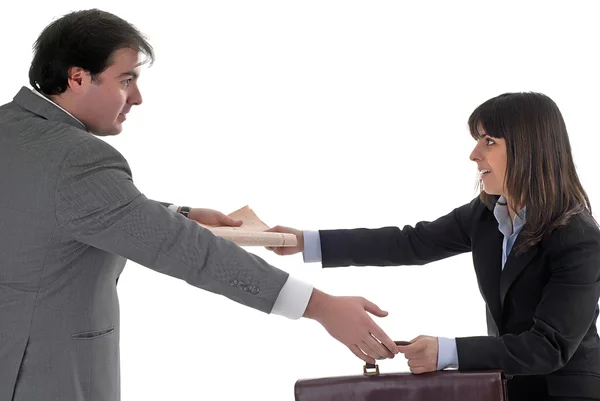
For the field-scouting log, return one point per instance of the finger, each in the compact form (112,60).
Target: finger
(387,352)
(275,229)
(413,355)
(419,370)
(383,338)
(226,220)
(374,309)
(374,348)
(367,350)
(361,355)
(391,352)
(411,349)
(402,349)
(276,249)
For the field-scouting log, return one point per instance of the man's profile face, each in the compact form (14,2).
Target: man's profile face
(105,100)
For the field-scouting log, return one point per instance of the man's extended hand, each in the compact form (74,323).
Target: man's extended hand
(422,354)
(346,320)
(212,217)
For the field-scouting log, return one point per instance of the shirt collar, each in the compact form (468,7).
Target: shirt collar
(503,218)
(55,104)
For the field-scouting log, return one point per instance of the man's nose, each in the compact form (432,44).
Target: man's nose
(135,97)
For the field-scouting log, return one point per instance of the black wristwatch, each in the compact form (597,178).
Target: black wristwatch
(185,210)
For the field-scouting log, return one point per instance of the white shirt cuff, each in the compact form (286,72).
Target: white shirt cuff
(447,353)
(312,246)
(293,299)
(173,208)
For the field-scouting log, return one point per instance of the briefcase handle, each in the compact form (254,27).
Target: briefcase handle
(371,369)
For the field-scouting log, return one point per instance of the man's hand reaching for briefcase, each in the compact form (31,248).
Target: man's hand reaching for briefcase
(346,320)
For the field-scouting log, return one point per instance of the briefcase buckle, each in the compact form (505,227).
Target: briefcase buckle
(370,369)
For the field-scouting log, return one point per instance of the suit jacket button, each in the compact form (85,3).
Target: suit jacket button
(255,290)
(240,285)
(233,283)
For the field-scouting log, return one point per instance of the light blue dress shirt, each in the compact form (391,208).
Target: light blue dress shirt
(447,352)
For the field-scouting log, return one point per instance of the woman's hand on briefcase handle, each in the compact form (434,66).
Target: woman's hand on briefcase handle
(346,320)
(422,354)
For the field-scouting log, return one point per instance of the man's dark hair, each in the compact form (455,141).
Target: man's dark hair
(85,39)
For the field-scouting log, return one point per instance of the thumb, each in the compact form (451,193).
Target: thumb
(408,348)
(275,229)
(374,309)
(403,349)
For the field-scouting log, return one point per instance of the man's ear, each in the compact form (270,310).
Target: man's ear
(78,79)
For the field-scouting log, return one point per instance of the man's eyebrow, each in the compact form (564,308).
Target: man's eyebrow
(131,74)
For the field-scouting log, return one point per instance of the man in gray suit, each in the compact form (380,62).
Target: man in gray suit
(70,217)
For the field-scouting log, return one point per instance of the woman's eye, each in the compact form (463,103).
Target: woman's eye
(490,141)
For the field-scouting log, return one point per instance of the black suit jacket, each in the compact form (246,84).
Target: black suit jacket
(542,307)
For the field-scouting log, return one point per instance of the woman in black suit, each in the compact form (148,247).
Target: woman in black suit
(536,252)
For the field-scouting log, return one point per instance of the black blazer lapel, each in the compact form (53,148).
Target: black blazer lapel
(487,258)
(513,268)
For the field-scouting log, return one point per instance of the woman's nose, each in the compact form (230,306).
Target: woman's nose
(474,156)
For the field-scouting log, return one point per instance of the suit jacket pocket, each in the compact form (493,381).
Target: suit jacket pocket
(90,335)
(96,364)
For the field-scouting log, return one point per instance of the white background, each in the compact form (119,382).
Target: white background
(318,114)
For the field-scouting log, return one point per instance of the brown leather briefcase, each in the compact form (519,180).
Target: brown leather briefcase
(447,385)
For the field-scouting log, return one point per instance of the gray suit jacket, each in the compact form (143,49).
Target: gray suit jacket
(70,217)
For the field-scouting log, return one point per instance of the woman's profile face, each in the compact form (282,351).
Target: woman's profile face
(490,156)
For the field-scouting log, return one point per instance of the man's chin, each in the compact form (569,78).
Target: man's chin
(117,130)
(114,130)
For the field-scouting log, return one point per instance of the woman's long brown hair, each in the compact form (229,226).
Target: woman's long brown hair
(540,173)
